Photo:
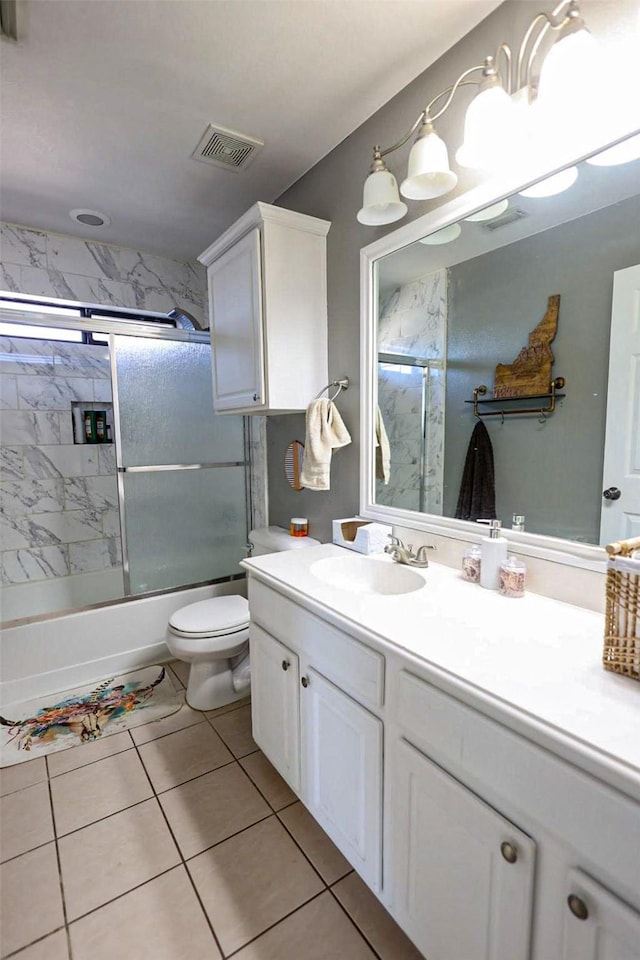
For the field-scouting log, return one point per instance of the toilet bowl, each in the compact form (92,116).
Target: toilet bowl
(213,635)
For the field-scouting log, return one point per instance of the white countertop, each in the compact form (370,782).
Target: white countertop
(532,663)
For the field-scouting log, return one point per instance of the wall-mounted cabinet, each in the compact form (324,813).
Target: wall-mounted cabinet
(268,311)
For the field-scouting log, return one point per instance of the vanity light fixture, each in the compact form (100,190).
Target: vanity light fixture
(489,213)
(446,235)
(550,186)
(501,123)
(622,153)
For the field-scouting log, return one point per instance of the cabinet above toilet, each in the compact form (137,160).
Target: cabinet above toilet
(267,283)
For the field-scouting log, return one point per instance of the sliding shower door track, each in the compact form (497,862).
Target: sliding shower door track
(156,467)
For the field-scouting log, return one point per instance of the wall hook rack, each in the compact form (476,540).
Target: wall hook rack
(539,411)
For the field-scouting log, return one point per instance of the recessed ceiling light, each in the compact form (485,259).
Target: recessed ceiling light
(90,218)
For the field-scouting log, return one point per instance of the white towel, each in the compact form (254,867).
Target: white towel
(325,431)
(383,452)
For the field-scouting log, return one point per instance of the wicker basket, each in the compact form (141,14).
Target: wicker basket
(622,616)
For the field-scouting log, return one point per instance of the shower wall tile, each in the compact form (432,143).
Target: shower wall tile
(62,460)
(11,463)
(102,392)
(106,459)
(52,393)
(23,426)
(8,393)
(95,555)
(81,360)
(111,522)
(44,563)
(31,496)
(19,355)
(91,493)
(10,277)
(22,246)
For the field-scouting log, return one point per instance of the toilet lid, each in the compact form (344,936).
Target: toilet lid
(213,616)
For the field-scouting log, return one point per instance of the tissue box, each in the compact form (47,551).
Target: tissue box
(361,535)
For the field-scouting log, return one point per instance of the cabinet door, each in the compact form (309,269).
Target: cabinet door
(455,892)
(275,704)
(235,299)
(597,925)
(342,772)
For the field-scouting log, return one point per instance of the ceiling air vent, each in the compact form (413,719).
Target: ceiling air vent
(509,216)
(227,148)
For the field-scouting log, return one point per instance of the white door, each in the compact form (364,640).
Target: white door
(620,516)
(235,299)
(275,704)
(342,772)
(462,874)
(597,925)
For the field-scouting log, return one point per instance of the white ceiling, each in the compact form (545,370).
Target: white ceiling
(103,102)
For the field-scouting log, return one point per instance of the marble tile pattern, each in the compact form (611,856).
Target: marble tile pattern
(53,265)
(413,322)
(58,499)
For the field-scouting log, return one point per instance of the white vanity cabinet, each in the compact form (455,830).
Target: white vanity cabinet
(312,690)
(268,311)
(462,875)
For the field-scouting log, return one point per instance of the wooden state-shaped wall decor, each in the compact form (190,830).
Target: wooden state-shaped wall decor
(530,373)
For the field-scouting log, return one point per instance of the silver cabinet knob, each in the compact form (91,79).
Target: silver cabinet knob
(509,851)
(304,682)
(612,493)
(578,907)
(285,664)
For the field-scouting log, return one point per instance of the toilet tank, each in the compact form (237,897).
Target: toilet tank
(274,539)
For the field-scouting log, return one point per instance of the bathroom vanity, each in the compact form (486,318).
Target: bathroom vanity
(466,752)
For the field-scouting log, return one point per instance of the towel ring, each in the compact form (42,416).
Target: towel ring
(342,384)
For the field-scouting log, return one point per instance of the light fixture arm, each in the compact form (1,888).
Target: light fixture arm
(565,11)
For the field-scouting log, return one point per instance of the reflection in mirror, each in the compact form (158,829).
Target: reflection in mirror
(449,313)
(293,464)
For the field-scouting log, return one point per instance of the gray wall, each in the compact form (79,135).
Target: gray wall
(333,190)
(551,472)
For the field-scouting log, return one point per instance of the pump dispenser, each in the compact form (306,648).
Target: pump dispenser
(494,552)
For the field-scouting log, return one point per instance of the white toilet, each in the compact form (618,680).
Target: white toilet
(213,635)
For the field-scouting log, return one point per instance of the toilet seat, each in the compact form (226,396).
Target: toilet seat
(216,617)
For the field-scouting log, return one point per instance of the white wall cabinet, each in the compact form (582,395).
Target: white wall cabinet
(462,876)
(268,311)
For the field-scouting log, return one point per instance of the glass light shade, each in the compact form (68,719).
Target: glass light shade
(381,201)
(622,153)
(446,235)
(550,186)
(489,213)
(428,174)
(570,90)
(488,131)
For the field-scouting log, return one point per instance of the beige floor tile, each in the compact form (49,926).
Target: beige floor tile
(268,780)
(98,790)
(31,903)
(318,931)
(161,920)
(22,775)
(185,717)
(181,670)
(228,707)
(322,851)
(25,820)
(115,855)
(251,881)
(183,755)
(212,808)
(235,730)
(84,753)
(53,947)
(371,918)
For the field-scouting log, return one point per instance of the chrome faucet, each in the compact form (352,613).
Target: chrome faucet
(404,554)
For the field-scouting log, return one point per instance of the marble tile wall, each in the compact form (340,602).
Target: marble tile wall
(58,499)
(413,322)
(52,265)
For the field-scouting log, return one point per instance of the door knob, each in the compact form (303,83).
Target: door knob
(578,907)
(509,851)
(304,682)
(612,493)
(285,664)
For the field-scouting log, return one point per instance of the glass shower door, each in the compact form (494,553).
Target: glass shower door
(181,469)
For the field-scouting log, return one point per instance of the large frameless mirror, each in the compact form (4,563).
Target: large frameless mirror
(456,299)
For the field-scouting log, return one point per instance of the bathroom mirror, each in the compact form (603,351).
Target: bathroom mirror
(451,295)
(293,464)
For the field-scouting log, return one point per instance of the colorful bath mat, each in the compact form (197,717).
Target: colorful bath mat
(53,723)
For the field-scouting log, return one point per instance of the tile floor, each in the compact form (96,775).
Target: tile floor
(176,841)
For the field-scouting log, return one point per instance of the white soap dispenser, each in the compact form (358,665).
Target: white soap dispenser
(494,552)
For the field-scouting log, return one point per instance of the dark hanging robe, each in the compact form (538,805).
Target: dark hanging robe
(477,499)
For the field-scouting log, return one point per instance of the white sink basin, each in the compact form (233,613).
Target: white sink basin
(367,575)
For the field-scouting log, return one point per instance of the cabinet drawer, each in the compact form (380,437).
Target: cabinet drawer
(354,667)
